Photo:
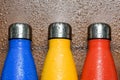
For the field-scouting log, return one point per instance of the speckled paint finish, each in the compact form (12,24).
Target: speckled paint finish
(19,63)
(78,13)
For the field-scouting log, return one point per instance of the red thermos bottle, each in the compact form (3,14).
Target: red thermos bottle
(99,63)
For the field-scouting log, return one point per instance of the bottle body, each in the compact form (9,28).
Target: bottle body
(19,63)
(59,63)
(99,63)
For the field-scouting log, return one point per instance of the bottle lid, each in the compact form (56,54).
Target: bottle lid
(59,30)
(99,31)
(20,30)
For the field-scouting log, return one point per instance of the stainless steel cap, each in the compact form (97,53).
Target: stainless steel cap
(20,30)
(100,31)
(59,30)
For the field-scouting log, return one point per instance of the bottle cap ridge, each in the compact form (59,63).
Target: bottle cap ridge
(20,30)
(99,31)
(59,30)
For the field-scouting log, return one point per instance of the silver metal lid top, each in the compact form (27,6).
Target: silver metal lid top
(59,30)
(20,30)
(99,30)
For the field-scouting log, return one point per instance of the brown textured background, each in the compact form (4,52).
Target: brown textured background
(78,13)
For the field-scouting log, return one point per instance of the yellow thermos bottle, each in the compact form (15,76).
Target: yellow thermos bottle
(59,63)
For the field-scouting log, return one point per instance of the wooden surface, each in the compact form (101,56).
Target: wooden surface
(78,13)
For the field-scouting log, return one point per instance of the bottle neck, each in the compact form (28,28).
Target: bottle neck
(19,43)
(99,44)
(59,43)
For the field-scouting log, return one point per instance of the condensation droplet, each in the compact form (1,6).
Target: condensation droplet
(1,14)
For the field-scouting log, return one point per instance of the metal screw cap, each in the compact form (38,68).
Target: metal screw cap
(99,31)
(59,30)
(20,30)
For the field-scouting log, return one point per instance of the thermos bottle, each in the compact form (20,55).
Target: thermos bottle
(59,63)
(99,63)
(19,63)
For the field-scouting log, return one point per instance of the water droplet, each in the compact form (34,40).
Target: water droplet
(5,22)
(1,14)
(6,12)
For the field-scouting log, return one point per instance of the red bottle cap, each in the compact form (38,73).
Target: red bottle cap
(99,31)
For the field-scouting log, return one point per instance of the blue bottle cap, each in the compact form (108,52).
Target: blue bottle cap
(20,30)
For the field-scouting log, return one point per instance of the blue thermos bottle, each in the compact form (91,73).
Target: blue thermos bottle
(19,63)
